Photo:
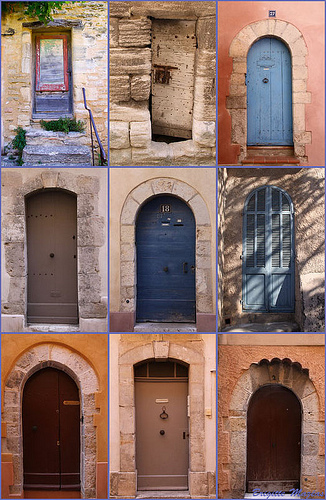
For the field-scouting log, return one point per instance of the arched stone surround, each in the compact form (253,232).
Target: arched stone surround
(63,358)
(237,99)
(291,375)
(124,482)
(133,203)
(90,238)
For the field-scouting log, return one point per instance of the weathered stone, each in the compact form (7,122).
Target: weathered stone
(156,152)
(15,259)
(119,135)
(141,193)
(302,97)
(91,231)
(204,133)
(161,350)
(129,211)
(119,88)
(90,286)
(137,112)
(123,484)
(200,209)
(13,229)
(206,33)
(310,444)
(134,33)
(114,32)
(88,259)
(140,134)
(187,151)
(140,87)
(120,157)
(133,62)
(56,155)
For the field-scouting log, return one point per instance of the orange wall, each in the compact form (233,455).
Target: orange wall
(308,17)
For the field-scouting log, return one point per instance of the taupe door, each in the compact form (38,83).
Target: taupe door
(162,439)
(173,59)
(52,257)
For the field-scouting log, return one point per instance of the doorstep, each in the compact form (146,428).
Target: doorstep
(163,494)
(270,155)
(40,327)
(165,327)
(284,326)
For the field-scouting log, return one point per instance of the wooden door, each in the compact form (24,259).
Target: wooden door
(53,76)
(162,440)
(173,59)
(269,93)
(51,431)
(274,440)
(165,242)
(268,255)
(52,257)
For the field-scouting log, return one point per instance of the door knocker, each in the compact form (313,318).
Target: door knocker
(164,415)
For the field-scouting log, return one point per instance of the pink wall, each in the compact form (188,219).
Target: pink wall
(309,18)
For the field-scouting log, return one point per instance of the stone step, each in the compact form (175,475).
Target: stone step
(163,494)
(284,326)
(165,327)
(40,137)
(63,155)
(271,161)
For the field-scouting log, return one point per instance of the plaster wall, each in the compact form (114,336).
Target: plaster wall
(306,188)
(222,176)
(308,18)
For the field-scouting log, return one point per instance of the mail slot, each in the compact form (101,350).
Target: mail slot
(71,403)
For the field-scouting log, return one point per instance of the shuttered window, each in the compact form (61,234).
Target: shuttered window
(268,270)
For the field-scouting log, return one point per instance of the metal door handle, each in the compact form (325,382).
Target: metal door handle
(162,432)
(51,255)
(192,269)
(265,80)
(165,269)
(185,267)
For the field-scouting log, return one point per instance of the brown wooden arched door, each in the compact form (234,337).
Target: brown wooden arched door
(51,431)
(274,440)
(51,217)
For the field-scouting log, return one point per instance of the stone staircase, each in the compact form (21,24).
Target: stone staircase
(47,148)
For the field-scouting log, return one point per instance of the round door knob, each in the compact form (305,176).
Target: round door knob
(265,80)
(162,432)
(51,255)
(165,269)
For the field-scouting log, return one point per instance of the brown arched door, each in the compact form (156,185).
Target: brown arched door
(274,440)
(51,431)
(52,257)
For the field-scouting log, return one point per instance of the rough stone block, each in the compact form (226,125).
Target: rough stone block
(198,486)
(204,133)
(129,210)
(123,484)
(206,63)
(302,97)
(15,259)
(188,151)
(140,194)
(140,134)
(13,228)
(310,444)
(206,33)
(136,112)
(183,190)
(140,87)
(161,350)
(133,62)
(114,32)
(119,88)
(120,157)
(134,33)
(119,135)
(152,155)
(200,209)
(91,231)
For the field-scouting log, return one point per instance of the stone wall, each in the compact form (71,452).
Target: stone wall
(306,189)
(130,85)
(87,22)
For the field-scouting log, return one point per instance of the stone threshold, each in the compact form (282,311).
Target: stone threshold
(40,327)
(270,161)
(163,494)
(284,326)
(165,327)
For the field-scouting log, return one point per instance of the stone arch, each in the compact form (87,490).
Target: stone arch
(78,368)
(288,374)
(133,202)
(162,350)
(90,237)
(237,99)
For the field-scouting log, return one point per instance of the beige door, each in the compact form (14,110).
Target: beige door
(162,440)
(173,59)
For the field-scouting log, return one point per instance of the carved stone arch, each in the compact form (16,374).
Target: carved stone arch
(279,372)
(132,204)
(237,99)
(78,368)
(161,350)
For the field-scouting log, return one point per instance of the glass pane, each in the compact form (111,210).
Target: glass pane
(51,61)
(182,371)
(161,369)
(275,199)
(275,240)
(261,200)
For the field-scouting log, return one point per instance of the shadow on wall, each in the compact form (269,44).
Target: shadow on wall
(306,188)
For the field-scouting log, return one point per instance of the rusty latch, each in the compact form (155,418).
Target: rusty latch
(162,73)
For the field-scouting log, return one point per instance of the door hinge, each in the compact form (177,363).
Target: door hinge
(241,301)
(246,81)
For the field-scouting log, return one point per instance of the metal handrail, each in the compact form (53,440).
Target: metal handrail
(93,126)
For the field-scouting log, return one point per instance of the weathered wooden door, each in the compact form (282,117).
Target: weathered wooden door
(165,242)
(162,440)
(53,76)
(269,93)
(51,431)
(52,257)
(274,440)
(268,251)
(173,59)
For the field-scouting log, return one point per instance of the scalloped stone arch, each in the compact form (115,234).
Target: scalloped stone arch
(61,357)
(161,350)
(132,204)
(288,374)
(237,99)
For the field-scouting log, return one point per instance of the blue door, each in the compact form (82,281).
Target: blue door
(269,94)
(165,242)
(268,251)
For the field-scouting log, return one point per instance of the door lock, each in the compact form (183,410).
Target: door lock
(51,255)
(265,80)
(165,269)
(58,443)
(162,432)
(185,267)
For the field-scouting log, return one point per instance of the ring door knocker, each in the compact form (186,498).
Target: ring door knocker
(163,415)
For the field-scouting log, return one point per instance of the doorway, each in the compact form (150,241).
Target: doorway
(165,243)
(52,97)
(162,433)
(51,219)
(269,94)
(274,440)
(268,251)
(173,62)
(51,431)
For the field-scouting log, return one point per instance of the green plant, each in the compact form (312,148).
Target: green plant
(41,10)
(19,142)
(64,125)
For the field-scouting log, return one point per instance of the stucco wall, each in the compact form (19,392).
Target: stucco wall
(308,18)
(234,360)
(222,176)
(306,188)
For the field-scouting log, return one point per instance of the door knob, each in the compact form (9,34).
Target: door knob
(165,269)
(162,432)
(51,255)
(265,80)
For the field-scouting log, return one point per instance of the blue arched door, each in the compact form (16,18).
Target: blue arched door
(268,251)
(165,243)
(269,93)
